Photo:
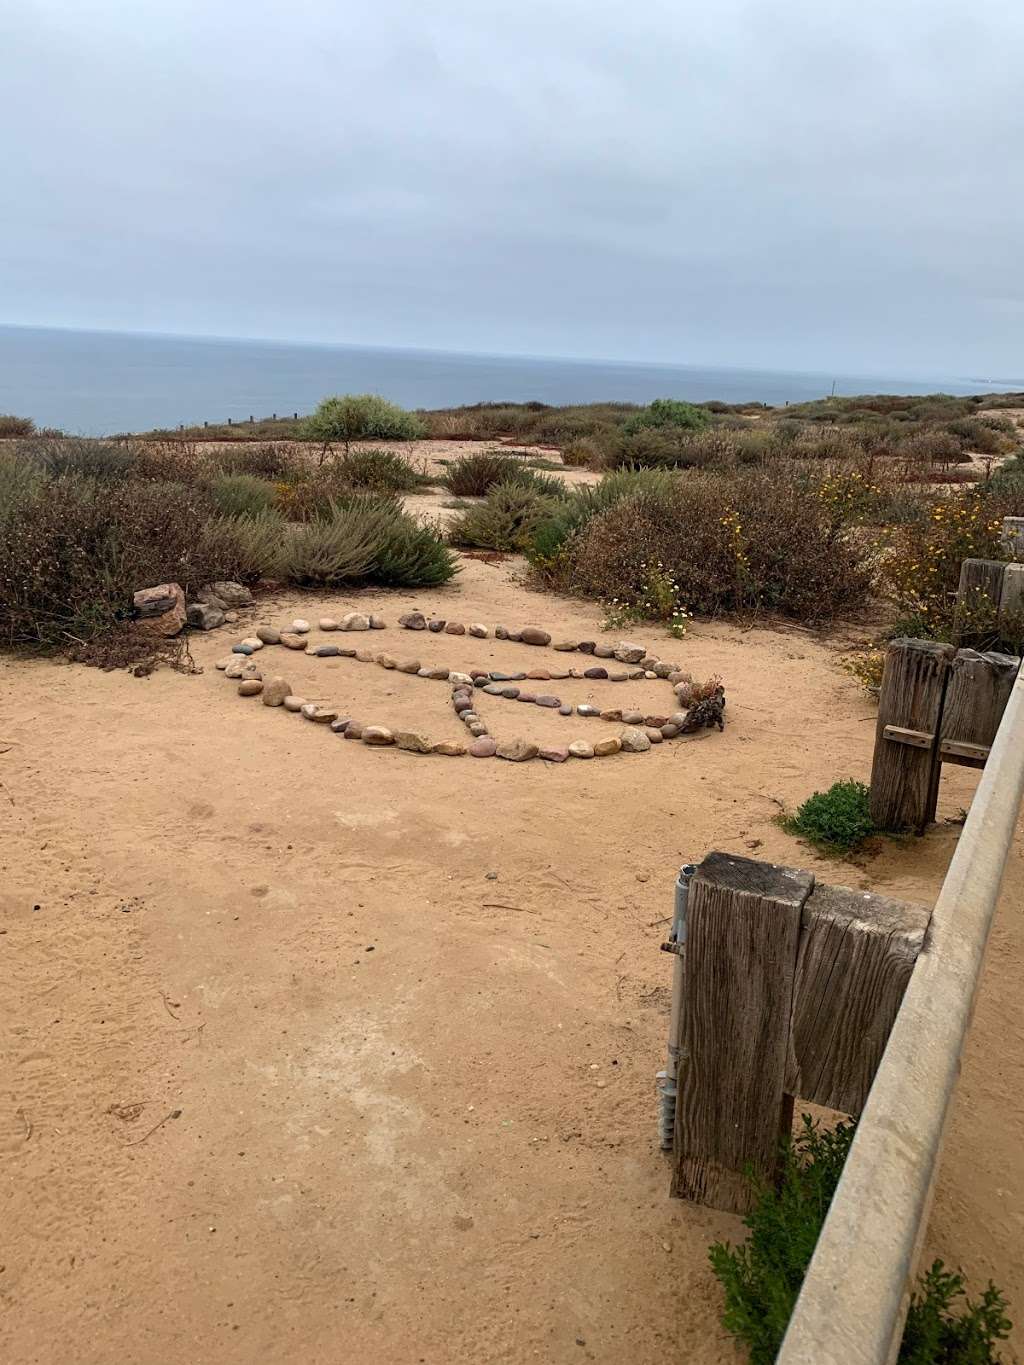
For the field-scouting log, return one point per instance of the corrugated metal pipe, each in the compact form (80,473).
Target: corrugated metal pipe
(676,945)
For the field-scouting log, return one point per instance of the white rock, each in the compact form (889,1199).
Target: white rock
(300,627)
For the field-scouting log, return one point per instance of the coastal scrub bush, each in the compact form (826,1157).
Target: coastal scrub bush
(473,476)
(835,821)
(272,460)
(236,495)
(413,556)
(377,471)
(762,1278)
(241,549)
(506,520)
(86,458)
(668,412)
(15,426)
(337,549)
(357,417)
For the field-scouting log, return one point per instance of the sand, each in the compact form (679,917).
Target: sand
(407,1011)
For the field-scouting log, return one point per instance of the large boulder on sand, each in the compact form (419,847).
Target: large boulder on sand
(160,610)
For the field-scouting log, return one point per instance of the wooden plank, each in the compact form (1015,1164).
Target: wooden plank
(857,951)
(1011,608)
(918,739)
(743,925)
(976,696)
(977,601)
(905,780)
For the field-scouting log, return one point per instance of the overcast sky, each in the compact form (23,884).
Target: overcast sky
(810,184)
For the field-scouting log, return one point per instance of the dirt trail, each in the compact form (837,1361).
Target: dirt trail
(417,1110)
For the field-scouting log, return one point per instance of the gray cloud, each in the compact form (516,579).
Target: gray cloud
(810,185)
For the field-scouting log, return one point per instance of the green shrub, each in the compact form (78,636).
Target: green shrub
(237,495)
(582,504)
(473,476)
(377,471)
(241,549)
(85,458)
(933,446)
(505,521)
(668,412)
(273,460)
(358,417)
(837,820)
(412,556)
(19,480)
(987,436)
(583,453)
(15,426)
(763,1277)
(367,539)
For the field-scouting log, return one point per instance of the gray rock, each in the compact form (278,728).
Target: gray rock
(634,741)
(436,674)
(251,687)
(632,718)
(662,670)
(595,672)
(413,620)
(355,620)
(495,676)
(231,594)
(494,689)
(340,725)
(509,693)
(354,729)
(326,651)
(204,616)
(462,704)
(231,616)
(627,653)
(477,729)
(586,646)
(618,675)
(408,666)
(586,710)
(294,703)
(377,734)
(603,652)
(501,632)
(648,662)
(653,734)
(436,626)
(275,691)
(525,696)
(270,635)
(565,709)
(546,699)
(478,631)
(579,748)
(242,648)
(484,747)
(669,731)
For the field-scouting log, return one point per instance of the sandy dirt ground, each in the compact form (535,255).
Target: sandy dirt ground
(316,1053)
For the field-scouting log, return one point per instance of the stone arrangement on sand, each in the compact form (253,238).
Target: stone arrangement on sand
(694,707)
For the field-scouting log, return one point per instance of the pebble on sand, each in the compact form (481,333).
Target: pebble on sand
(377,734)
(300,627)
(484,747)
(556,755)
(604,747)
(294,703)
(517,750)
(449,747)
(411,742)
(533,635)
(251,687)
(634,741)
(291,640)
(275,691)
(478,631)
(579,748)
(327,623)
(270,635)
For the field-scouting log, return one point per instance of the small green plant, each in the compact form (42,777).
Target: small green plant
(867,666)
(657,599)
(473,476)
(507,519)
(358,417)
(236,495)
(835,821)
(763,1277)
(668,412)
(378,471)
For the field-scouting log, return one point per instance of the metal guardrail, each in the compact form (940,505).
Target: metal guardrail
(853,1304)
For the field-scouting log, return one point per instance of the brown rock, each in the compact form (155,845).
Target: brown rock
(354,729)
(450,748)
(387,661)
(653,734)
(412,742)
(413,620)
(378,623)
(275,691)
(501,632)
(565,645)
(270,635)
(603,652)
(328,623)
(539,674)
(627,653)
(632,718)
(377,734)
(161,610)
(292,641)
(478,631)
(586,646)
(231,594)
(579,748)
(596,672)
(408,666)
(553,755)
(294,703)
(455,628)
(517,750)
(484,747)
(634,741)
(533,635)
(252,687)
(618,675)
(604,747)
(355,620)
(546,699)
(611,714)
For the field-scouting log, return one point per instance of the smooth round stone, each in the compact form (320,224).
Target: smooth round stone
(326,651)
(324,717)
(463,679)
(501,632)
(253,642)
(469,717)
(654,735)
(480,681)
(496,690)
(579,748)
(328,623)
(355,620)
(620,675)
(407,665)
(595,672)
(340,725)
(354,729)
(603,652)
(524,696)
(222,664)
(510,693)
(436,626)
(378,623)
(449,747)
(292,641)
(539,675)
(565,645)
(587,710)
(476,673)
(387,661)
(478,631)
(517,750)
(533,635)
(605,747)
(242,649)
(411,742)
(662,670)
(300,627)
(275,691)
(586,647)
(455,628)
(495,676)
(679,718)
(294,703)
(251,687)
(612,714)
(478,729)
(437,674)
(669,731)
(377,734)
(545,699)
(553,755)
(649,674)
(462,704)
(231,617)
(632,718)
(270,635)
(565,709)
(634,741)
(484,747)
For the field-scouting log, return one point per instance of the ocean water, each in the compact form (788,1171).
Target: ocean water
(98,383)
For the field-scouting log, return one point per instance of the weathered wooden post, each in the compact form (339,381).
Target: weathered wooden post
(976,695)
(977,600)
(1011,606)
(743,926)
(905,770)
(790,989)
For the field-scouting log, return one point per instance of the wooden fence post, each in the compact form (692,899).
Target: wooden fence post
(743,925)
(977,600)
(976,695)
(905,769)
